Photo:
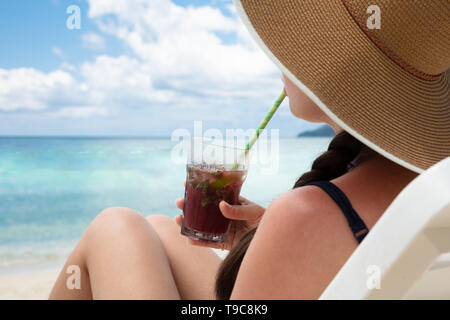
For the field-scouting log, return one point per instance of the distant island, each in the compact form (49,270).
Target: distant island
(323,131)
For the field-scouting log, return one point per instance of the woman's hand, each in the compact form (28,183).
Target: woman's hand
(245,216)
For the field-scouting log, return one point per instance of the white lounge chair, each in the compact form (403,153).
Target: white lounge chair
(407,253)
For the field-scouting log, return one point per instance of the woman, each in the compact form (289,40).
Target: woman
(386,93)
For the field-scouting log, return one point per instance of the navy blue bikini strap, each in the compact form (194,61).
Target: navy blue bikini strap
(358,226)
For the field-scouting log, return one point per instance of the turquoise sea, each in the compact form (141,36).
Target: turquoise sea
(51,188)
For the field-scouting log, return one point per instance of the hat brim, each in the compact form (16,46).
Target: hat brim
(327,55)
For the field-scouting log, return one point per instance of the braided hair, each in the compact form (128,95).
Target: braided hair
(344,152)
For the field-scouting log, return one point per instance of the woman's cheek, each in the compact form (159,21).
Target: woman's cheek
(295,108)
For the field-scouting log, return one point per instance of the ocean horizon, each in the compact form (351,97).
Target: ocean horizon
(51,188)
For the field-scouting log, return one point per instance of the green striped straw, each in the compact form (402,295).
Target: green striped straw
(262,125)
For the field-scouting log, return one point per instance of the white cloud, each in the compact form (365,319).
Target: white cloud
(67,67)
(184,46)
(80,112)
(28,88)
(58,52)
(122,81)
(231,8)
(195,58)
(93,41)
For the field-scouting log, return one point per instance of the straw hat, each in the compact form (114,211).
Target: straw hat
(388,87)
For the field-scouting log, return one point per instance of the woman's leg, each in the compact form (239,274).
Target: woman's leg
(120,256)
(194,268)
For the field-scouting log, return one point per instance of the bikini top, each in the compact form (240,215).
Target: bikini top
(358,226)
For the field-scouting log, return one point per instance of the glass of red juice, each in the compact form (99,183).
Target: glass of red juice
(215,172)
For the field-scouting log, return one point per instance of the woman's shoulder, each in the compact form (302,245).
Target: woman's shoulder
(303,240)
(307,204)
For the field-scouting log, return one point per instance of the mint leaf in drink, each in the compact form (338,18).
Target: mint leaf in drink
(203,186)
(207,201)
(222,182)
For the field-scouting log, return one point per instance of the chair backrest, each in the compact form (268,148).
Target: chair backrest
(406,255)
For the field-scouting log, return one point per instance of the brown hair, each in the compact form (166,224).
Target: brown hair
(344,152)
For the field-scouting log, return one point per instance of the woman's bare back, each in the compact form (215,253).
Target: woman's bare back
(304,238)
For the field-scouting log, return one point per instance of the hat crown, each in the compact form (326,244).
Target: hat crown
(387,87)
(413,33)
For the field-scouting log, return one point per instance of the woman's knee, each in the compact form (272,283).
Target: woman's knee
(117,221)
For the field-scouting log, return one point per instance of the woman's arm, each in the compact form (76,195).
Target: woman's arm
(301,243)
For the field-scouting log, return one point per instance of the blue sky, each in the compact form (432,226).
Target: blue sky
(134,68)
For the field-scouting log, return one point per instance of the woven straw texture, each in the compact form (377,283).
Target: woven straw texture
(391,86)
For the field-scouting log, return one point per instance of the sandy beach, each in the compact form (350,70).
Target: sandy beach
(37,282)
(29,285)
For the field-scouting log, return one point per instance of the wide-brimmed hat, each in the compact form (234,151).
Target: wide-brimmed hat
(378,68)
